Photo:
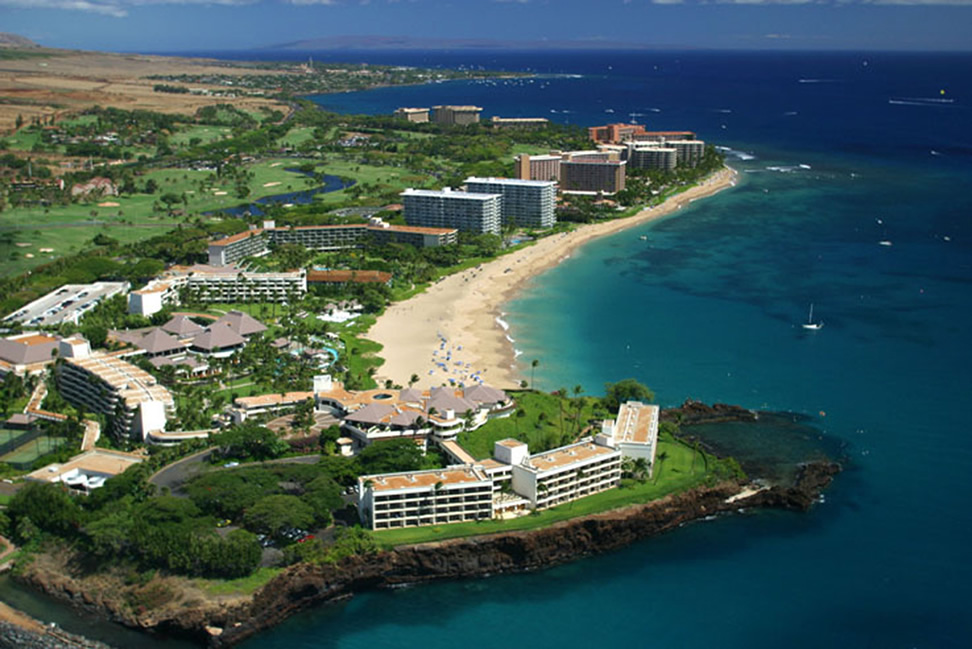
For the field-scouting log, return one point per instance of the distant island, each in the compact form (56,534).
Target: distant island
(376,43)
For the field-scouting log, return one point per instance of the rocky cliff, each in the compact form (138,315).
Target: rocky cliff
(225,623)
(308,585)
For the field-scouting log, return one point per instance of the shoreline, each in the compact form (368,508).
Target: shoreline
(454,329)
(305,585)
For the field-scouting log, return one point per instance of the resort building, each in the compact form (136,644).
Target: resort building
(566,473)
(464,211)
(634,432)
(414,115)
(652,156)
(228,285)
(519,122)
(27,353)
(68,303)
(664,136)
(592,176)
(690,152)
(537,167)
(87,471)
(614,133)
(451,495)
(131,397)
(228,250)
(665,154)
(344,277)
(251,243)
(156,295)
(221,284)
(456,115)
(526,203)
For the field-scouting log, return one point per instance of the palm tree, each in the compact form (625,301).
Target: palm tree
(435,500)
(533,372)
(413,380)
(658,463)
(579,405)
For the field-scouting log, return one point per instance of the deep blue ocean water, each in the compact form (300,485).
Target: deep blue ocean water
(708,307)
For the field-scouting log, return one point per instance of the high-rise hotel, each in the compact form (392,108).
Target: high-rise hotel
(466,211)
(526,203)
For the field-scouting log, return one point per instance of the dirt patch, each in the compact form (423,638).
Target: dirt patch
(67,82)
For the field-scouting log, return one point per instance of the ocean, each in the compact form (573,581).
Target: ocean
(854,198)
(838,153)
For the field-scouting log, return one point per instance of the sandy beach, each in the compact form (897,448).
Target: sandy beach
(453,331)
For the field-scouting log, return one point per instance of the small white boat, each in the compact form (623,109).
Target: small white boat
(810,324)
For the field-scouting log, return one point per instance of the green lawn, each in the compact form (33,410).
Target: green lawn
(541,425)
(675,473)
(297,136)
(206,134)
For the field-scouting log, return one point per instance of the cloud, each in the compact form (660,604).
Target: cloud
(120,8)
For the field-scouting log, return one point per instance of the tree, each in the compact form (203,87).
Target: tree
(275,514)
(533,371)
(626,390)
(48,506)
(390,456)
(249,441)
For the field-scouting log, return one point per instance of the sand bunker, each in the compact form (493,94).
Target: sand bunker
(108,204)
(272,184)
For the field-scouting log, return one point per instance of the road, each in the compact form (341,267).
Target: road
(178,473)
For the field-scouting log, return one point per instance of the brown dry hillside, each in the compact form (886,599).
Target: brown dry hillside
(42,81)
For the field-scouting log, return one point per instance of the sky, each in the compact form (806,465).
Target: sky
(210,25)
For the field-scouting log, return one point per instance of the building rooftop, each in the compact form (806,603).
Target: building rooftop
(276,399)
(459,108)
(565,456)
(636,423)
(28,348)
(218,335)
(241,323)
(448,193)
(133,384)
(345,276)
(239,236)
(424,479)
(97,463)
(182,326)
(509,442)
(418,229)
(66,304)
(512,181)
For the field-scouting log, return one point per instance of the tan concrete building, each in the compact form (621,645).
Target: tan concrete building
(414,115)
(456,115)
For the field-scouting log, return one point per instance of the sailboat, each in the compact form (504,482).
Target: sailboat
(810,324)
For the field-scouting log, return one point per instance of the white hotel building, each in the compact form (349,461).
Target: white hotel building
(566,473)
(131,397)
(219,284)
(451,495)
(465,211)
(512,481)
(528,203)
(634,432)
